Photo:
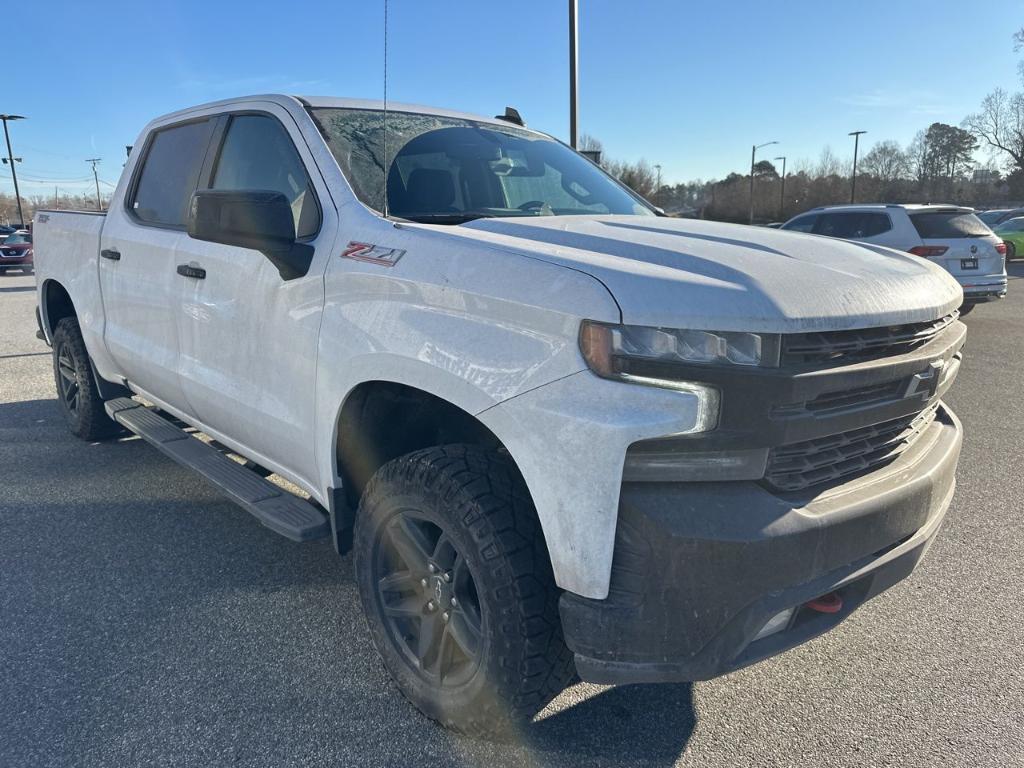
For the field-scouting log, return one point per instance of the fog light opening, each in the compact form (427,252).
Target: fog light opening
(775,624)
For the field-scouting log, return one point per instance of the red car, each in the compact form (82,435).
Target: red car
(16,251)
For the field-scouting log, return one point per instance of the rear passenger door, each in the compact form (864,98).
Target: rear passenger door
(248,337)
(138,257)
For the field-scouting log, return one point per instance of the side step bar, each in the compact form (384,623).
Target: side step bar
(280,511)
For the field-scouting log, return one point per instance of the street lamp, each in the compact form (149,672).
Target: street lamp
(753,151)
(853,181)
(782,192)
(14,172)
(574,62)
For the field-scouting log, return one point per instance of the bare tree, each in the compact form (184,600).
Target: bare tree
(589,143)
(887,162)
(1000,124)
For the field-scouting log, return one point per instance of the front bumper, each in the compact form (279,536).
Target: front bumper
(699,568)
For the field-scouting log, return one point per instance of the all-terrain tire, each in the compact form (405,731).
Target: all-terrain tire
(478,500)
(77,396)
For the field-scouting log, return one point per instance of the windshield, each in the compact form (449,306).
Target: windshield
(991,217)
(17,239)
(449,170)
(1011,225)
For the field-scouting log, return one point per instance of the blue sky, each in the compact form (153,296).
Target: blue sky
(690,86)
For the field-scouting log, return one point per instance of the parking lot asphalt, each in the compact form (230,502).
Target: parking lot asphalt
(144,620)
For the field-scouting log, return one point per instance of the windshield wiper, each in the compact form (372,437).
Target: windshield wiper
(446,218)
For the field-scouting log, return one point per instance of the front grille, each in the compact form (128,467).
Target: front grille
(845,399)
(802,465)
(865,344)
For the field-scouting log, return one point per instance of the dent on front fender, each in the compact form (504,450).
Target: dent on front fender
(569,440)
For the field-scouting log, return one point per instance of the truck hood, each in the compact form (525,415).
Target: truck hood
(707,275)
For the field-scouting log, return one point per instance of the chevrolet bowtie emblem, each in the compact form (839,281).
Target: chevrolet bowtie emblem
(927,381)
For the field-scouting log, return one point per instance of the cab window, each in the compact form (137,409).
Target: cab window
(169,174)
(257,153)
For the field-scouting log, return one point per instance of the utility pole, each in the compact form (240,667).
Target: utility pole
(574,39)
(853,181)
(658,169)
(14,172)
(753,152)
(782,192)
(96,178)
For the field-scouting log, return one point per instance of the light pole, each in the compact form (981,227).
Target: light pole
(14,172)
(574,133)
(753,152)
(853,181)
(782,192)
(96,178)
(658,169)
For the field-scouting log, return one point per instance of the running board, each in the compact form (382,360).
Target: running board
(280,511)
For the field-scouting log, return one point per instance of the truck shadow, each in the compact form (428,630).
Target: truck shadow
(649,723)
(136,592)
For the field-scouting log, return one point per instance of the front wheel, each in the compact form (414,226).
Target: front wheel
(966,309)
(457,588)
(79,400)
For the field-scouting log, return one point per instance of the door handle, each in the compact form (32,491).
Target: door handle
(187,270)
(110,253)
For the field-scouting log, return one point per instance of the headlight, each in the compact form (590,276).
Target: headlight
(631,351)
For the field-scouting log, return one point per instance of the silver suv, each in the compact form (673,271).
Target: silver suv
(951,236)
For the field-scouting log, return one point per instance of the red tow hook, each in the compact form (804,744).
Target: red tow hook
(830,603)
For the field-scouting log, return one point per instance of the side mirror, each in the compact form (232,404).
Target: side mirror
(250,218)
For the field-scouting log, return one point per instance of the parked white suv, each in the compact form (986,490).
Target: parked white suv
(948,235)
(560,434)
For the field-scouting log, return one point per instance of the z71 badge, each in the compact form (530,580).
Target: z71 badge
(373,254)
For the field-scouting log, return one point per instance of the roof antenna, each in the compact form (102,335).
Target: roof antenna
(385,109)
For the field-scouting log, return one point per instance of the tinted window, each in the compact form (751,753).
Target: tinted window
(257,153)
(948,224)
(170,172)
(802,224)
(17,239)
(853,225)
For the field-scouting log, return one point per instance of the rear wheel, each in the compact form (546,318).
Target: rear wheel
(458,591)
(3,270)
(79,400)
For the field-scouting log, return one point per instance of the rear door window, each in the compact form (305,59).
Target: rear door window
(852,225)
(170,172)
(802,224)
(944,225)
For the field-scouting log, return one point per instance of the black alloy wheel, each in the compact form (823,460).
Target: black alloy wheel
(429,599)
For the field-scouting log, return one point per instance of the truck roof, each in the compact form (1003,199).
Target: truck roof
(331,102)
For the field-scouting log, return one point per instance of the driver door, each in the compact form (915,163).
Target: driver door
(248,337)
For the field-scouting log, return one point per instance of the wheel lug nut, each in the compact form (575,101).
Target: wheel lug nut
(432,568)
(423,582)
(447,577)
(454,602)
(444,616)
(431,606)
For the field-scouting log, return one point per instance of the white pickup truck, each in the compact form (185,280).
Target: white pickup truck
(561,433)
